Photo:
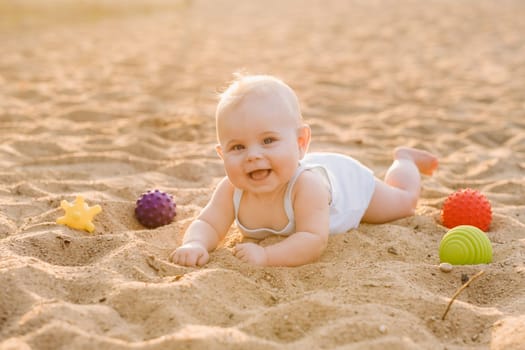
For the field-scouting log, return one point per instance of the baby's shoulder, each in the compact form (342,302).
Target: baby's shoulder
(309,177)
(224,189)
(310,181)
(310,190)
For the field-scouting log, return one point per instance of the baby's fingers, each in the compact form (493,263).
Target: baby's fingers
(178,258)
(182,257)
(238,251)
(203,259)
(174,257)
(242,254)
(190,258)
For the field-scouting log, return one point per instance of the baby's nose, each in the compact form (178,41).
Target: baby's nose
(254,153)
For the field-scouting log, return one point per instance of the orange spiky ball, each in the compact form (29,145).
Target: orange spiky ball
(467,207)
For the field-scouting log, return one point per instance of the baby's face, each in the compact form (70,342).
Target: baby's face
(260,143)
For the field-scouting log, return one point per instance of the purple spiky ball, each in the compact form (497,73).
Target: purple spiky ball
(155,208)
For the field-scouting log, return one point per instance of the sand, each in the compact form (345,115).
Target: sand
(110,99)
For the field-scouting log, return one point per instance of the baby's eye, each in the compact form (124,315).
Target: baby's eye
(268,140)
(237,147)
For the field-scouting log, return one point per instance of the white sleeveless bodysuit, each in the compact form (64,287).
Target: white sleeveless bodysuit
(351,186)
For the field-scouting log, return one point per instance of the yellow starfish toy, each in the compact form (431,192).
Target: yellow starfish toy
(79,215)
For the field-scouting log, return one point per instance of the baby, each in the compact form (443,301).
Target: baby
(274,187)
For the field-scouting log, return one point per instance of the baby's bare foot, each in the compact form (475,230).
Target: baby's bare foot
(426,162)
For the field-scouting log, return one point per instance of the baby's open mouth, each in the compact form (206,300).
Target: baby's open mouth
(260,174)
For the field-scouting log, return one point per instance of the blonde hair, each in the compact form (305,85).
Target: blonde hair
(259,85)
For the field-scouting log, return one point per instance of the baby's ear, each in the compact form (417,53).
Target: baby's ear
(304,135)
(218,149)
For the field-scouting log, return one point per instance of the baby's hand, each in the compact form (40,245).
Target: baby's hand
(251,253)
(190,254)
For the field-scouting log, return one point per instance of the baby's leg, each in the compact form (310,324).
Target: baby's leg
(397,196)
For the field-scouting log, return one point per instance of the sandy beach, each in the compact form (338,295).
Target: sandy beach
(110,99)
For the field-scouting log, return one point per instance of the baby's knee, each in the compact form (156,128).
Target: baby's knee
(390,203)
(406,203)
(409,201)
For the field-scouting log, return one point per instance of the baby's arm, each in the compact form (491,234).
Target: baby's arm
(311,208)
(204,234)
